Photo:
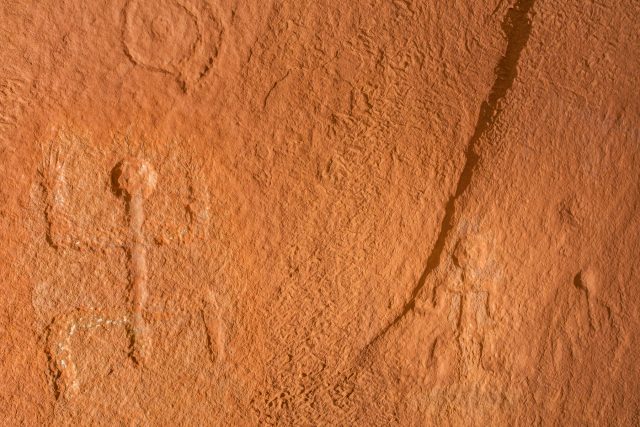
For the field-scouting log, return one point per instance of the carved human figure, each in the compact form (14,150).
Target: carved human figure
(135,180)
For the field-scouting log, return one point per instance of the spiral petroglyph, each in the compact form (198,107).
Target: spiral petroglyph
(181,38)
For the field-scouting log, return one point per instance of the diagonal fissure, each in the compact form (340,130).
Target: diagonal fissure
(517,28)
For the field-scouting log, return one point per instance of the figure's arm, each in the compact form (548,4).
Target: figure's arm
(62,229)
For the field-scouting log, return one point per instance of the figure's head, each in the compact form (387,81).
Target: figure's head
(133,175)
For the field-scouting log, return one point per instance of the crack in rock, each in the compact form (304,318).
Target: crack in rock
(517,29)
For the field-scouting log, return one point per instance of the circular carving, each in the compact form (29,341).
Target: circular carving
(177,37)
(134,175)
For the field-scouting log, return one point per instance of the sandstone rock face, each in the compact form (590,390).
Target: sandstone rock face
(285,212)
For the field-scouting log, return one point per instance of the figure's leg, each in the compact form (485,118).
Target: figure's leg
(61,332)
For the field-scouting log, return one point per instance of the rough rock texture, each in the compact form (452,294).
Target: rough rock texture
(292,212)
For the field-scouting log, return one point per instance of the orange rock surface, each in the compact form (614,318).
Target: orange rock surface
(285,212)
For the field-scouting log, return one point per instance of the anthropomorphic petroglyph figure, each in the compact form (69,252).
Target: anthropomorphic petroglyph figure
(466,296)
(135,180)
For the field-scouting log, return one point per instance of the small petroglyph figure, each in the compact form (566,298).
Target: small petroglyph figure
(471,284)
(464,297)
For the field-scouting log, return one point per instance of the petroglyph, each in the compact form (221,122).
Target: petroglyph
(471,284)
(61,331)
(133,180)
(62,232)
(212,317)
(137,179)
(65,233)
(461,309)
(179,38)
